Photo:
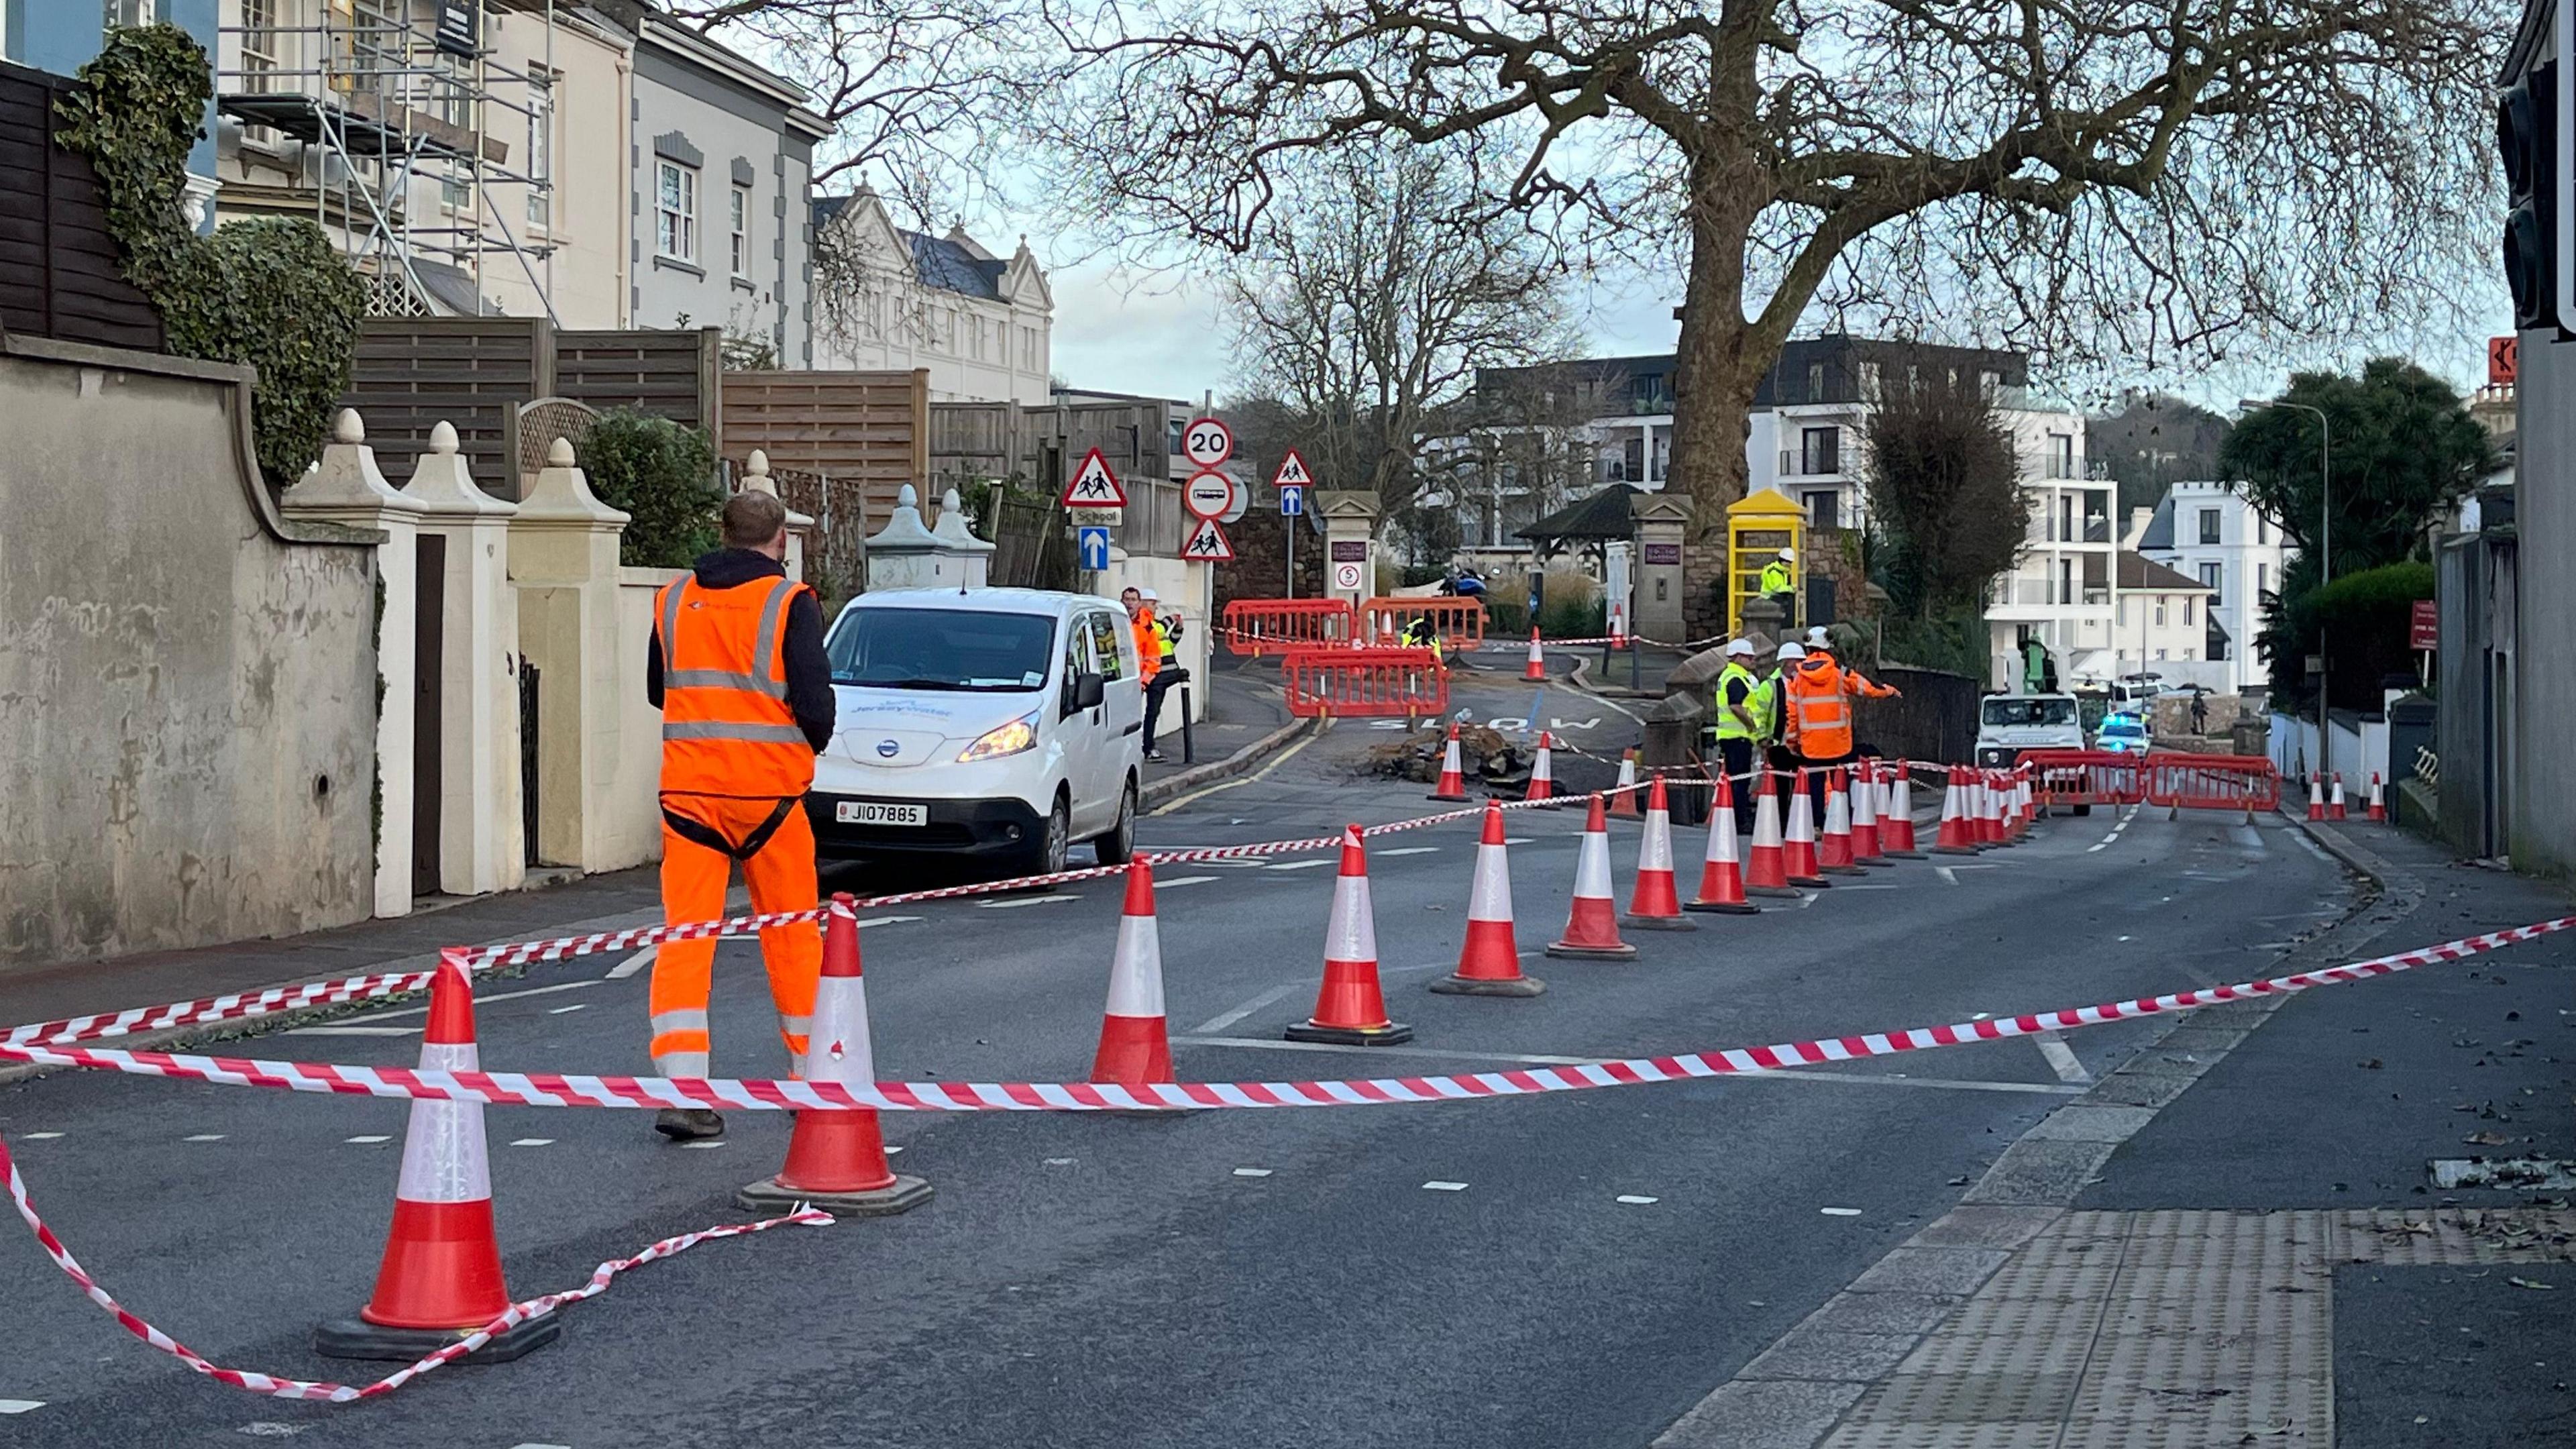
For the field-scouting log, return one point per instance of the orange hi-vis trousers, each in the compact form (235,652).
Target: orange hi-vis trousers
(780,873)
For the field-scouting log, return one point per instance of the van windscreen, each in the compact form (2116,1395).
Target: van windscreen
(958,649)
(2007,711)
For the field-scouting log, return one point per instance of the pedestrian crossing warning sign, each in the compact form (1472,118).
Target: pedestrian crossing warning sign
(1093,485)
(1292,472)
(1207,543)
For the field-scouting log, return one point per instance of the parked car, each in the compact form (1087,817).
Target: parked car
(2122,734)
(1000,724)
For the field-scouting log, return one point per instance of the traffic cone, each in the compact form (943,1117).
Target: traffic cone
(2024,811)
(1592,925)
(836,1160)
(1958,835)
(1654,904)
(1721,878)
(1990,814)
(441,1275)
(1798,847)
(2316,797)
(1489,964)
(1896,827)
(1834,851)
(1453,775)
(2334,801)
(1765,870)
(1618,628)
(2378,807)
(1135,1044)
(1537,666)
(1623,798)
(1542,780)
(1350,1010)
(1866,849)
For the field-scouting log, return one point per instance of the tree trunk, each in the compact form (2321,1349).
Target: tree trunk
(1713,386)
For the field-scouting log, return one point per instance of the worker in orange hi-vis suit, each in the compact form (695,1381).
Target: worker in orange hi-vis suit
(737,669)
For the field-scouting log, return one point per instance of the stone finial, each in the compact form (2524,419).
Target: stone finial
(907,497)
(348,427)
(759,464)
(755,475)
(559,453)
(903,531)
(442,438)
(951,529)
(443,484)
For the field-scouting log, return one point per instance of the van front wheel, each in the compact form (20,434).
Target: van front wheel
(1046,856)
(1116,847)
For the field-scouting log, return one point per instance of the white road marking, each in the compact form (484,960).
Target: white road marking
(1411,850)
(534,1142)
(20,1406)
(1635,1201)
(1252,1172)
(1946,873)
(271,1429)
(1226,1019)
(576,1006)
(1871,1079)
(891,1151)
(1276,761)
(479,1000)
(541,1446)
(1840,1212)
(2061,1058)
(353,1031)
(39,1136)
(1516,840)
(1303,864)
(366,1141)
(1059,1162)
(866,921)
(1012,905)
(630,965)
(204,1137)
(1444,1187)
(1178,882)
(704,1146)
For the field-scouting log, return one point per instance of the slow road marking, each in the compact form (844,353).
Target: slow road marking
(1444,1187)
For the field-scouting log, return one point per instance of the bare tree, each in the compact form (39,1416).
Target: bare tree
(2128,177)
(1517,448)
(1367,300)
(1944,491)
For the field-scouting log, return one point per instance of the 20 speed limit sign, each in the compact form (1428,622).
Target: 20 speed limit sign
(1211,494)
(1207,442)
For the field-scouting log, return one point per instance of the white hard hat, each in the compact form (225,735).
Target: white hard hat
(1792,650)
(1788,555)
(1741,648)
(1149,596)
(1816,635)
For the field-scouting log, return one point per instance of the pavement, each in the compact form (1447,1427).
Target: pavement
(1616,1267)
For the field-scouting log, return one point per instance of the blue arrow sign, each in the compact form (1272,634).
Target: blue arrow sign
(1292,500)
(1091,541)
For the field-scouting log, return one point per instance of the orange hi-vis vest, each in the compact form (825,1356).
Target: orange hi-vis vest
(1818,710)
(726,727)
(1149,644)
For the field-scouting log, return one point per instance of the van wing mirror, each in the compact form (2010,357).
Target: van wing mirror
(1089,690)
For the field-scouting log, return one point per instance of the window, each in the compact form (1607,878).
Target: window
(2124,613)
(1990,383)
(541,146)
(1029,348)
(2186,612)
(742,232)
(2061,455)
(1104,643)
(2262,529)
(1815,382)
(1820,450)
(942,649)
(259,48)
(130,12)
(2066,518)
(2160,654)
(2210,574)
(2209,525)
(2066,581)
(2262,580)
(1632,459)
(1869,376)
(2160,611)
(1823,508)
(675,213)
(2189,655)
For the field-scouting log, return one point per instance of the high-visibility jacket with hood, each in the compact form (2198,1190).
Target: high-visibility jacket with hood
(729,725)
(1149,643)
(1818,709)
(1775,577)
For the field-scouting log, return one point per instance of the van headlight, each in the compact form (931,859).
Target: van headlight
(1020,734)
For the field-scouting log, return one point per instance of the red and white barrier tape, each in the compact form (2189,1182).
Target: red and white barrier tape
(527,1089)
(284,1388)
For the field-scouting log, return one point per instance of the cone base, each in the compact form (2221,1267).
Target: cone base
(1565,951)
(1659,923)
(1724,908)
(1879,859)
(1392,1034)
(902,1195)
(1486,986)
(1955,849)
(1812,882)
(1904,854)
(1853,869)
(1785,893)
(357,1338)
(1461,798)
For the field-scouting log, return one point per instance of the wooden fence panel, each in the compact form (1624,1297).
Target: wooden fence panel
(60,271)
(869,427)
(412,373)
(667,372)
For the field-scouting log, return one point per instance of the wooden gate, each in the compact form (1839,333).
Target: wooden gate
(1030,550)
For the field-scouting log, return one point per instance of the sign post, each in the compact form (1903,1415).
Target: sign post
(1292,480)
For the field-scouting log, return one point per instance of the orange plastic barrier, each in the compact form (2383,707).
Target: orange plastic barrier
(1356,682)
(1461,622)
(2086,777)
(2213,782)
(1257,627)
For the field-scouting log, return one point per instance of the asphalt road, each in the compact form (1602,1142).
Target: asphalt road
(1601,1260)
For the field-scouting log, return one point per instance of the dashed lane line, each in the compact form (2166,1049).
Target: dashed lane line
(1437,1186)
(1017,902)
(39,1136)
(205,1137)
(1409,850)
(1304,864)
(1179,881)
(1225,1019)
(1870,1079)
(368,1140)
(1252,1172)
(20,1406)
(1635,1201)
(479,1001)
(353,1031)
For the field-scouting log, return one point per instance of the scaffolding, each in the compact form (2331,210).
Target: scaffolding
(402,116)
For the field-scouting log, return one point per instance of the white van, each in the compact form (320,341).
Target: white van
(1003,724)
(2008,724)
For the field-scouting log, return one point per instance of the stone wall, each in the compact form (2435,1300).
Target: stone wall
(187,682)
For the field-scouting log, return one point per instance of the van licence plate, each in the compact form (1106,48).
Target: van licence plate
(871,812)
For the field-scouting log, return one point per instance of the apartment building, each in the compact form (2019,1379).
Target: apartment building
(2211,533)
(2161,625)
(889,299)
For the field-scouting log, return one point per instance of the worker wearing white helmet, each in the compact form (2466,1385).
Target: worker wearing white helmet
(1746,710)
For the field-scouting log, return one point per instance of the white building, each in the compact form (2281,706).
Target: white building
(2162,622)
(2210,533)
(888,299)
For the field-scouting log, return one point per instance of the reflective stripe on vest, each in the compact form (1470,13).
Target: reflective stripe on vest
(1822,710)
(1728,727)
(726,725)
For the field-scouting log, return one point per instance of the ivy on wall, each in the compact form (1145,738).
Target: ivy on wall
(272,292)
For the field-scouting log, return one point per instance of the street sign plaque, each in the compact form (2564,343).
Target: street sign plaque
(1207,543)
(1091,543)
(1207,442)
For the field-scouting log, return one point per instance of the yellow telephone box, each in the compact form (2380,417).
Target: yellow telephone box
(1758,526)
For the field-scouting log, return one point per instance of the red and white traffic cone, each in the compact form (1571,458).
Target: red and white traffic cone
(1798,846)
(836,1159)
(1721,876)
(2316,797)
(2025,800)
(1489,964)
(441,1275)
(1453,774)
(1592,925)
(1350,1009)
(1537,666)
(2378,806)
(1990,808)
(1135,1041)
(1623,797)
(1655,904)
(2334,801)
(1958,835)
(1618,628)
(1766,870)
(1864,807)
(1896,826)
(1834,850)
(1542,780)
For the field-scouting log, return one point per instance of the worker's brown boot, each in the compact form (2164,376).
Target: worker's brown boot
(688,1124)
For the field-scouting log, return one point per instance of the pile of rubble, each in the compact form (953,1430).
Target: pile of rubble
(1486,755)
